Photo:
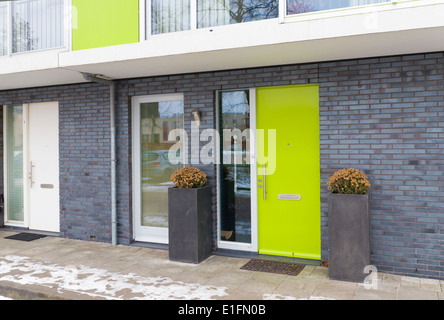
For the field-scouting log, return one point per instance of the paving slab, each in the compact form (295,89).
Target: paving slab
(59,268)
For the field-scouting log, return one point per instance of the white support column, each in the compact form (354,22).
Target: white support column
(193,14)
(144,15)
(282,10)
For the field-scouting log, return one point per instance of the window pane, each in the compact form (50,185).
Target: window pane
(170,16)
(37,24)
(219,12)
(156,168)
(14,163)
(3,29)
(301,6)
(235,194)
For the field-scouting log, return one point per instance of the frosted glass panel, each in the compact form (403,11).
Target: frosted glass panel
(170,16)
(14,163)
(37,24)
(3,29)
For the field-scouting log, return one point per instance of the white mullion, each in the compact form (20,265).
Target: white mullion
(68,24)
(5,166)
(282,10)
(148,19)
(253,172)
(9,28)
(193,14)
(26,167)
(143,16)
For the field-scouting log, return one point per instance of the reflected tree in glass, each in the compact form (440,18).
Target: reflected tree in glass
(302,6)
(220,12)
(22,35)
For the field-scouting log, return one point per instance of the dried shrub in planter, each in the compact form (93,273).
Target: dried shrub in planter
(348,181)
(189,177)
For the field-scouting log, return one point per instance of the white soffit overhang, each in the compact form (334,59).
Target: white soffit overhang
(360,33)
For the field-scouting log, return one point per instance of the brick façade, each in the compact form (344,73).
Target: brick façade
(381,115)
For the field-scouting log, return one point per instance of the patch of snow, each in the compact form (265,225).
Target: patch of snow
(97,282)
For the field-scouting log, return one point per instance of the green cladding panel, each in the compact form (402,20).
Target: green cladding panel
(102,23)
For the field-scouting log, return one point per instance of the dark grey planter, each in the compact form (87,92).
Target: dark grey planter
(189,224)
(348,236)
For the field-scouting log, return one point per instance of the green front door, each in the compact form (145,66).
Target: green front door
(288,171)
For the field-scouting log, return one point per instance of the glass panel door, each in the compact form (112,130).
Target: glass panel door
(156,116)
(14,192)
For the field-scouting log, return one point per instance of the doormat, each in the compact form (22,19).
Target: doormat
(24,236)
(288,268)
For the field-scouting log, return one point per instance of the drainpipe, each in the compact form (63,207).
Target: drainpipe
(112,89)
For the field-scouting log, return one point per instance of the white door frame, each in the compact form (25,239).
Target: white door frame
(142,233)
(231,245)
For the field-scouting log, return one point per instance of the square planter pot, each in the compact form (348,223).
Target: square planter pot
(189,224)
(348,236)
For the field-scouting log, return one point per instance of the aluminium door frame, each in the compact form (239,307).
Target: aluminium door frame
(230,245)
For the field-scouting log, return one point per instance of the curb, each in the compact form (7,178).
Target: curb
(16,292)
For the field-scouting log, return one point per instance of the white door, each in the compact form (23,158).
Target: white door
(153,119)
(43,166)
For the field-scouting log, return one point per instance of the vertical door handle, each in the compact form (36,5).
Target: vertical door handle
(265,191)
(31,177)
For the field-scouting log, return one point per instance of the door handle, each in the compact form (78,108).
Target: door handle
(265,189)
(31,177)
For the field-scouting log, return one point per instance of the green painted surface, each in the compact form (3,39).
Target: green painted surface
(289,227)
(102,23)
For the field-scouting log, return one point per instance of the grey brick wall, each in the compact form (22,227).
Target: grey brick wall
(84,152)
(385,116)
(381,115)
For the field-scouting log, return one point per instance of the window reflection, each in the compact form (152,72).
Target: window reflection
(157,120)
(212,13)
(235,189)
(301,6)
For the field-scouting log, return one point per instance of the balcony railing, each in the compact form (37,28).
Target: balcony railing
(29,25)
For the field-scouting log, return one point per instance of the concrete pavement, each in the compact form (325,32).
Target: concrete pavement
(58,268)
